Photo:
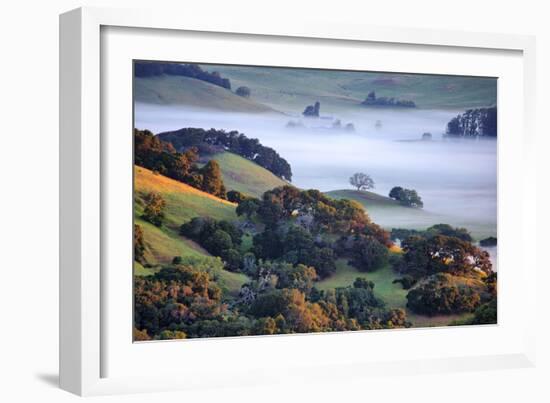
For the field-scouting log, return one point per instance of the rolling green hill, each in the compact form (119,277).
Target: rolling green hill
(183,202)
(390,214)
(175,90)
(291,90)
(246,176)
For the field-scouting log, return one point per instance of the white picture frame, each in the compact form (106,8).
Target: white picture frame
(85,344)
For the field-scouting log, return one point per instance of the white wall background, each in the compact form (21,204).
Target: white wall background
(29,201)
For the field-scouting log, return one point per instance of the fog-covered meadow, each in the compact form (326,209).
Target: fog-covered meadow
(454,178)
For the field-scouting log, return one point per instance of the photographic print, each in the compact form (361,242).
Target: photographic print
(282,200)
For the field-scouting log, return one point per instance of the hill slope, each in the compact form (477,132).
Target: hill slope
(390,214)
(292,89)
(246,176)
(174,90)
(183,202)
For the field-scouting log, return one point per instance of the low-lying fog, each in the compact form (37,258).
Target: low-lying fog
(453,177)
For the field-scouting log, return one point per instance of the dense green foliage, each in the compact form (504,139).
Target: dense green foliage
(235,196)
(443,293)
(144,69)
(437,229)
(220,238)
(406,197)
(367,253)
(297,246)
(213,141)
(443,254)
(444,274)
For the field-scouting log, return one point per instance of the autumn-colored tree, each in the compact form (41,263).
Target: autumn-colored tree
(212,181)
(154,208)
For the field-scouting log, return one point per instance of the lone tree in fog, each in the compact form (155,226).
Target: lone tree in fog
(361,181)
(243,92)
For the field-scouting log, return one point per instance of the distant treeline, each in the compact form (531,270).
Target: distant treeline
(372,100)
(212,141)
(152,69)
(474,123)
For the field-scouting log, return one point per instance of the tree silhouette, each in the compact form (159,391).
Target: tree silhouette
(361,181)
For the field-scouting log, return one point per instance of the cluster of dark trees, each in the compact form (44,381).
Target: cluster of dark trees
(443,294)
(159,156)
(294,224)
(444,272)
(297,221)
(437,229)
(372,100)
(213,141)
(312,111)
(220,238)
(474,123)
(406,197)
(144,69)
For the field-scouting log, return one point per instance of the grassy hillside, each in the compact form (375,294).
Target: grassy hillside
(387,212)
(390,214)
(174,90)
(183,202)
(246,176)
(289,89)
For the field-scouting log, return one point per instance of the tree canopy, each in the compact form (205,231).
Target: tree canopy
(406,197)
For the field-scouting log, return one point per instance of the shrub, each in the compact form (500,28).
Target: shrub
(235,196)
